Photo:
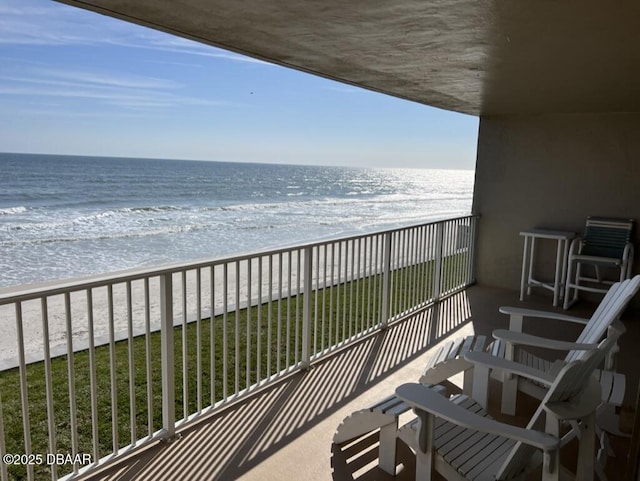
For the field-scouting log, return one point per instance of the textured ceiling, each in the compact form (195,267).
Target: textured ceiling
(479,57)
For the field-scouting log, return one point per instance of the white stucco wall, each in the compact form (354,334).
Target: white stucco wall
(550,171)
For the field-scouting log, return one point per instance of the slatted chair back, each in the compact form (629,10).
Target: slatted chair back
(606,237)
(569,386)
(610,309)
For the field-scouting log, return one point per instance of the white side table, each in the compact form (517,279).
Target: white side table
(528,258)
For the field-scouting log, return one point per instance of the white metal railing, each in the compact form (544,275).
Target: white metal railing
(106,364)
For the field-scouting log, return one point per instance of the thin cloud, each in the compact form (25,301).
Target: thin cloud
(175,64)
(167,43)
(28,23)
(111,80)
(59,111)
(108,88)
(116,97)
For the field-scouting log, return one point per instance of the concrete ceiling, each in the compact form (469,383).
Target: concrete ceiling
(480,57)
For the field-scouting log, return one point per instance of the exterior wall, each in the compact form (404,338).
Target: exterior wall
(550,171)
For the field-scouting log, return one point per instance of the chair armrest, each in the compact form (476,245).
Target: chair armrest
(421,398)
(585,404)
(524,312)
(575,247)
(487,360)
(522,338)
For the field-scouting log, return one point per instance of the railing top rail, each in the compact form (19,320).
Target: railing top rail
(18,293)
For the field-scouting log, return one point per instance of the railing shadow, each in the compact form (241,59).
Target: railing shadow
(358,460)
(236,439)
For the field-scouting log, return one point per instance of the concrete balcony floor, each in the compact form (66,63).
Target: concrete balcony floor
(285,431)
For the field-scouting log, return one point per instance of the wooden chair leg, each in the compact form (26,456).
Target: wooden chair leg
(587,449)
(387,449)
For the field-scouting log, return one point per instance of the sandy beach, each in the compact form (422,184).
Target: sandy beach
(136,304)
(131,313)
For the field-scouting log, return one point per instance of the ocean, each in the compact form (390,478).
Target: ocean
(70,216)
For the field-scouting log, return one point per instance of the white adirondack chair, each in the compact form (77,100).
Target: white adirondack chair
(457,357)
(510,343)
(457,438)
(461,355)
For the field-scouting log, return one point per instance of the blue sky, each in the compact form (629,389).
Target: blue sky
(74,82)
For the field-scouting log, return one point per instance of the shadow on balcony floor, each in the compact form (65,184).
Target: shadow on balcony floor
(284,430)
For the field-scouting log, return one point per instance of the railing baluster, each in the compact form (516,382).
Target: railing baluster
(467,250)
(248,335)
(112,372)
(185,349)
(147,346)
(395,269)
(344,292)
(352,279)
(259,326)
(48,379)
(455,267)
(269,316)
(401,291)
(473,243)
(332,282)
(237,332)
(167,355)
(306,314)
(420,300)
(378,262)
(416,300)
(386,281)
(297,316)
(132,376)
(358,319)
(24,396)
(409,304)
(447,257)
(212,333)
(279,315)
(288,318)
(325,284)
(316,297)
(375,271)
(199,339)
(225,340)
(438,267)
(406,276)
(403,277)
(368,280)
(426,262)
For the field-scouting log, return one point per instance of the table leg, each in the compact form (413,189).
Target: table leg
(532,256)
(556,278)
(565,261)
(524,268)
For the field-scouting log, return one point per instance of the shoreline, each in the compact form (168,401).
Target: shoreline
(122,315)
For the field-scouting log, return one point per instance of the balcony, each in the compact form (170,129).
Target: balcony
(287,367)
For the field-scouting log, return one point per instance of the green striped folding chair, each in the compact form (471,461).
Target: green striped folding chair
(606,244)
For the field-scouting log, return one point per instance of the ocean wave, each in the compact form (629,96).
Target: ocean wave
(298,204)
(111,236)
(164,208)
(13,210)
(81,220)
